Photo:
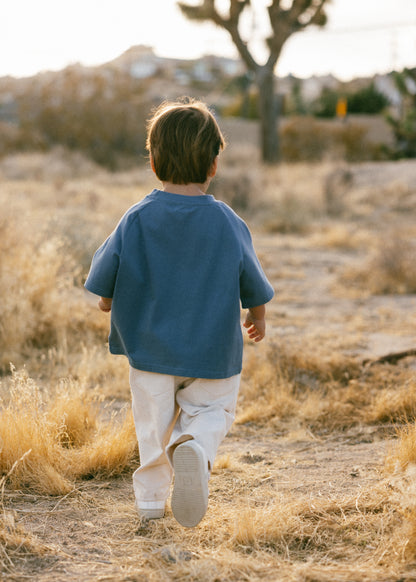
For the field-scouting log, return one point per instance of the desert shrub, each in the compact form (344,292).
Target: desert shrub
(390,269)
(239,181)
(237,187)
(302,139)
(58,164)
(403,453)
(49,441)
(394,403)
(393,268)
(289,214)
(337,184)
(318,389)
(308,139)
(350,138)
(102,116)
(305,528)
(43,304)
(14,138)
(289,384)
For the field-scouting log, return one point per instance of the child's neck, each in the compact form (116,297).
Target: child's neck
(186,189)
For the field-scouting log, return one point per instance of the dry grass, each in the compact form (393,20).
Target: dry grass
(304,529)
(43,305)
(67,442)
(402,457)
(323,392)
(311,139)
(389,269)
(49,442)
(17,544)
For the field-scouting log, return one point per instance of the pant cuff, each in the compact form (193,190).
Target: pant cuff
(151,504)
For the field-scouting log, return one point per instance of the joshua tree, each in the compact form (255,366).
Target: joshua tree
(286,18)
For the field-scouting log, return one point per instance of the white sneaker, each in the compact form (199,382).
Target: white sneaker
(190,492)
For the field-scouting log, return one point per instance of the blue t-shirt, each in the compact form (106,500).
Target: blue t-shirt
(176,268)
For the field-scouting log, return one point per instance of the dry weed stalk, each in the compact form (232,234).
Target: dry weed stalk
(15,542)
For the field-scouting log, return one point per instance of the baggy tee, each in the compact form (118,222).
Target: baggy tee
(177,268)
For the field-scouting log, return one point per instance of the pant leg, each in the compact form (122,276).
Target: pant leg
(154,412)
(207,411)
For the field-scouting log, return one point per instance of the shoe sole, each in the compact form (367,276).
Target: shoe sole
(190,492)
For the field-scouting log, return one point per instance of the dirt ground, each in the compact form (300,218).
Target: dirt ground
(90,530)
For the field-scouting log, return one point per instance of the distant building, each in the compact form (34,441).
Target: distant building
(141,62)
(385,85)
(138,61)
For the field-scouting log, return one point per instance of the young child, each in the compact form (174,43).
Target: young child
(173,274)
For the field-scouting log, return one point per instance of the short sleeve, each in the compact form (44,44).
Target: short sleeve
(104,267)
(255,289)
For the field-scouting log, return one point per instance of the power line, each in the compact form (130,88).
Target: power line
(352,30)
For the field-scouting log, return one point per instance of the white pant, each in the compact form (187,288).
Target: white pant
(169,410)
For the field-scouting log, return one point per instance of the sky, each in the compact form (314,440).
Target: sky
(362,37)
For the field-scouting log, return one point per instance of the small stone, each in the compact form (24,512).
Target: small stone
(173,556)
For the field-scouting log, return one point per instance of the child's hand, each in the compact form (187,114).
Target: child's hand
(256,328)
(105,304)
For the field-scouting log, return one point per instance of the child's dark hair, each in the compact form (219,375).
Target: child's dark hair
(183,139)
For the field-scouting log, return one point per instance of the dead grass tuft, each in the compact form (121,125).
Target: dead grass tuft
(396,403)
(389,270)
(282,383)
(403,454)
(109,453)
(50,442)
(43,305)
(73,412)
(367,530)
(323,391)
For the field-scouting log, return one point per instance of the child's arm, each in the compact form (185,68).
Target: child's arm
(255,323)
(105,304)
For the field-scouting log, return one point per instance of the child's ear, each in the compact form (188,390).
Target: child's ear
(214,167)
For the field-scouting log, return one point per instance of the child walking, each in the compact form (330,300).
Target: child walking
(173,274)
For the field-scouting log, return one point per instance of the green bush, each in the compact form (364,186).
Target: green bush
(326,104)
(367,100)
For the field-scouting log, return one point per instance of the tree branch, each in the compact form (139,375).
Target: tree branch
(287,21)
(313,14)
(236,8)
(390,358)
(284,23)
(207,11)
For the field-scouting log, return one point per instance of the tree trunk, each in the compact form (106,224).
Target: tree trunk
(269,113)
